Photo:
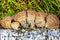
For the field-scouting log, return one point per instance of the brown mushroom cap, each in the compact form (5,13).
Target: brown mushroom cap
(15,25)
(52,21)
(31,18)
(6,22)
(21,18)
(40,19)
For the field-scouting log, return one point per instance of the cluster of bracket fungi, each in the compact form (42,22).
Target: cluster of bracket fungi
(30,19)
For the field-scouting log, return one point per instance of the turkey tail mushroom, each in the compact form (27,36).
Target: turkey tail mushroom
(52,21)
(6,22)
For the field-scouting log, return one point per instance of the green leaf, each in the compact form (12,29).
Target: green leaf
(10,12)
(38,8)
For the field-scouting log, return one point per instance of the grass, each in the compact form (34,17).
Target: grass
(9,7)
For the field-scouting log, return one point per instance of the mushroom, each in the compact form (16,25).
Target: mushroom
(52,21)
(31,18)
(6,22)
(21,18)
(40,19)
(15,25)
